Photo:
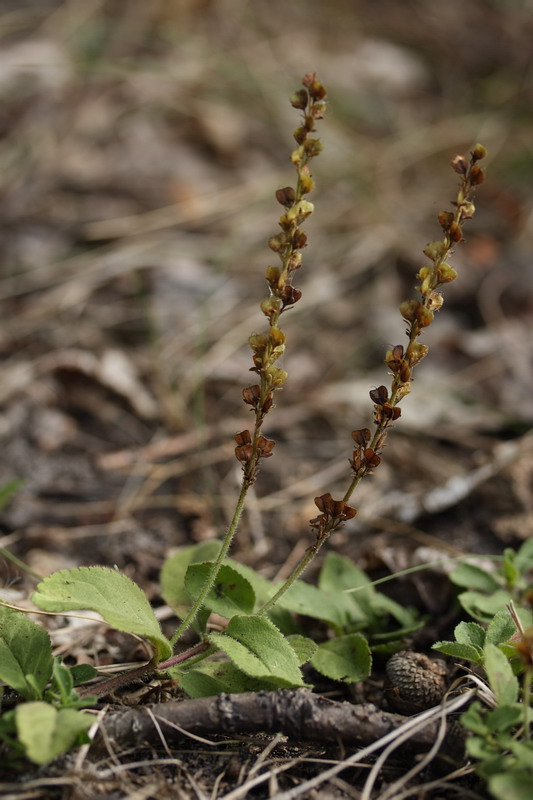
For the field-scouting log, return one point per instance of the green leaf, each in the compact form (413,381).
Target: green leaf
(500,628)
(303,647)
(469,652)
(257,647)
(504,718)
(472,577)
(172,576)
(512,785)
(339,573)
(115,597)
(510,570)
(231,594)
(500,674)
(215,677)
(483,607)
(475,720)
(524,557)
(470,633)
(335,608)
(46,732)
(25,651)
(81,673)
(346,658)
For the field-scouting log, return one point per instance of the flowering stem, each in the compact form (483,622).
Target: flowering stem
(267,348)
(211,578)
(418,314)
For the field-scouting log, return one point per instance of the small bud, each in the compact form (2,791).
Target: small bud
(297,156)
(299,99)
(424,316)
(479,152)
(435,250)
(459,165)
(307,184)
(277,243)
(300,134)
(416,352)
(299,212)
(258,342)
(445,273)
(435,301)
(276,376)
(313,147)
(316,89)
(295,262)
(272,275)
(467,210)
(409,309)
(318,110)
(286,196)
(276,336)
(476,176)
(270,306)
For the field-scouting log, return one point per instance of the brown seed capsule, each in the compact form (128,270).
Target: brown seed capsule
(415,682)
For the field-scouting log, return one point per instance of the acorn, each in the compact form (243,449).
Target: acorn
(414,681)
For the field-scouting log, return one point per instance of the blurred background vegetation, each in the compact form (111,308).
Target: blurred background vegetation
(142,143)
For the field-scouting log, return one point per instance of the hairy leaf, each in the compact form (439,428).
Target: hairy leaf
(46,732)
(111,594)
(25,651)
(346,658)
(257,647)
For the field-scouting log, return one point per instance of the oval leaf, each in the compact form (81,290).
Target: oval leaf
(231,593)
(115,597)
(46,732)
(25,650)
(500,674)
(346,658)
(173,573)
(260,650)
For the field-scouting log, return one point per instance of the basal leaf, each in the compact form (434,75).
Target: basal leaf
(25,650)
(500,674)
(470,633)
(469,652)
(512,785)
(46,732)
(500,628)
(257,647)
(339,572)
(303,647)
(214,677)
(231,594)
(111,594)
(346,658)
(172,576)
(335,608)
(472,577)
(482,606)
